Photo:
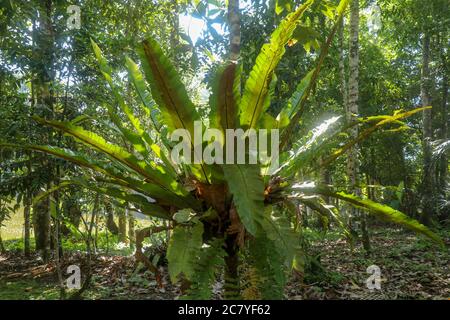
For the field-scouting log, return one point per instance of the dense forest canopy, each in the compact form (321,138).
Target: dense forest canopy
(351,96)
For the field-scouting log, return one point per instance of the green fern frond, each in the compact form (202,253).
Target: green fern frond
(209,262)
(184,249)
(250,284)
(269,265)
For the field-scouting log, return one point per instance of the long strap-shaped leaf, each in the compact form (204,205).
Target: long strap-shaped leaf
(247,187)
(136,139)
(167,89)
(140,201)
(255,98)
(382,211)
(225,97)
(107,73)
(162,196)
(137,79)
(157,175)
(181,199)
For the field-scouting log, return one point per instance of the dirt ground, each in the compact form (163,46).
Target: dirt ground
(410,268)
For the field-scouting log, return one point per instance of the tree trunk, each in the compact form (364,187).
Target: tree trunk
(28,192)
(58,248)
(234,24)
(42,228)
(44,78)
(324,178)
(353,92)
(443,166)
(2,247)
(427,179)
(110,223)
(131,232)
(27,225)
(344,92)
(352,113)
(122,226)
(342,72)
(72,211)
(231,286)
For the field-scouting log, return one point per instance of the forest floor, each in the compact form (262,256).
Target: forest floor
(411,268)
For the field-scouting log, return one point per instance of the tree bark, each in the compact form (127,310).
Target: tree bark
(427,178)
(131,231)
(353,92)
(2,247)
(234,23)
(342,72)
(57,251)
(352,113)
(344,91)
(27,224)
(443,166)
(44,78)
(110,223)
(42,228)
(72,211)
(122,226)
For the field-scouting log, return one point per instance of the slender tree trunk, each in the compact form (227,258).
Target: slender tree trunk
(342,72)
(28,200)
(95,240)
(2,247)
(42,232)
(122,226)
(353,92)
(324,178)
(110,223)
(344,91)
(45,75)
(57,251)
(427,179)
(352,112)
(131,231)
(27,225)
(234,24)
(443,166)
(72,212)
(89,240)
(232,286)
